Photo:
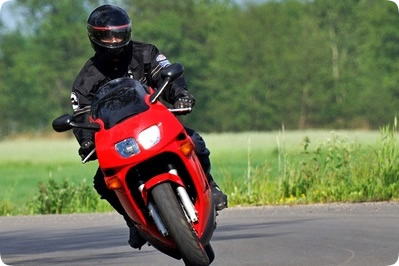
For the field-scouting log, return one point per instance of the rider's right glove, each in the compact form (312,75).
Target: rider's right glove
(85,148)
(184,102)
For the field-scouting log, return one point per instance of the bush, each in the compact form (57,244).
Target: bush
(64,197)
(6,208)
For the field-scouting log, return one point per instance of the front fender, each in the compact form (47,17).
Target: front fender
(165,177)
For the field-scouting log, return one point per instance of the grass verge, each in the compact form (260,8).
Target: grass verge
(252,168)
(335,170)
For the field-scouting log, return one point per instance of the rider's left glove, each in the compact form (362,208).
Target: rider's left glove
(85,148)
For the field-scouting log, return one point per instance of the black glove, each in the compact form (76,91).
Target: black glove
(184,102)
(85,148)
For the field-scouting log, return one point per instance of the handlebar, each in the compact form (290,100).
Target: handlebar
(180,110)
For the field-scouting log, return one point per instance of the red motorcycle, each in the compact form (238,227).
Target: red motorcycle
(149,161)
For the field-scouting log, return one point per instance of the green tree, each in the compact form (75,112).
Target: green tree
(42,57)
(183,30)
(361,33)
(252,66)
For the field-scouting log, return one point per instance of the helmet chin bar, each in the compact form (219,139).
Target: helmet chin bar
(108,54)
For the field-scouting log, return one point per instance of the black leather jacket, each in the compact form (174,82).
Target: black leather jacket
(141,61)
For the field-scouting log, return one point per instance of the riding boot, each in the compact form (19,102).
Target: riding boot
(203,153)
(219,197)
(135,239)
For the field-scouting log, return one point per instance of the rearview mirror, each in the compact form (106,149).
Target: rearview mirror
(173,71)
(65,123)
(168,74)
(62,123)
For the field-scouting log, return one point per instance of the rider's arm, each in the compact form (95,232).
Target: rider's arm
(81,97)
(81,113)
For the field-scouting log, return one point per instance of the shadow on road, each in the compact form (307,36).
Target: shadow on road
(41,241)
(223,232)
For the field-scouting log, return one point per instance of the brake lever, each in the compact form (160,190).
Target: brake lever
(88,156)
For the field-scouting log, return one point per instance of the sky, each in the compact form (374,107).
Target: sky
(9,19)
(5,14)
(2,2)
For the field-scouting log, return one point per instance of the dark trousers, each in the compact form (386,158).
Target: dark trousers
(201,151)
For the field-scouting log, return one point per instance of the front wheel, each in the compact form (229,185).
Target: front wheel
(187,242)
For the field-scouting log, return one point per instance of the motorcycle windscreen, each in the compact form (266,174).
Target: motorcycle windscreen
(118,100)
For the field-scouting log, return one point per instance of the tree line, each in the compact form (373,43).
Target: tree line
(251,66)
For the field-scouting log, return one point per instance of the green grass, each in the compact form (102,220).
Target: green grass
(231,152)
(24,163)
(253,168)
(337,167)
(19,180)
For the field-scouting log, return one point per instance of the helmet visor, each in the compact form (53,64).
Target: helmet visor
(110,36)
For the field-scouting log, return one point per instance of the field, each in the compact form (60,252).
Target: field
(252,168)
(231,153)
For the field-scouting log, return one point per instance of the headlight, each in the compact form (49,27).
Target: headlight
(127,147)
(149,137)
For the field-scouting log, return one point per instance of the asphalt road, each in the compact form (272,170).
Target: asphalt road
(333,234)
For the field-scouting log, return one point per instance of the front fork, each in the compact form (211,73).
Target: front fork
(188,207)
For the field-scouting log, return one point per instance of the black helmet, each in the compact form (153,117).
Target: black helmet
(109,27)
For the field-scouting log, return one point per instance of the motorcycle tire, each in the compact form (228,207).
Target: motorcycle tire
(187,242)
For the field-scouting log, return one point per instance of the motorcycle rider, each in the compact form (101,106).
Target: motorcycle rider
(117,55)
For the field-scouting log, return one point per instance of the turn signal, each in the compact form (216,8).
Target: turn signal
(113,183)
(186,147)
